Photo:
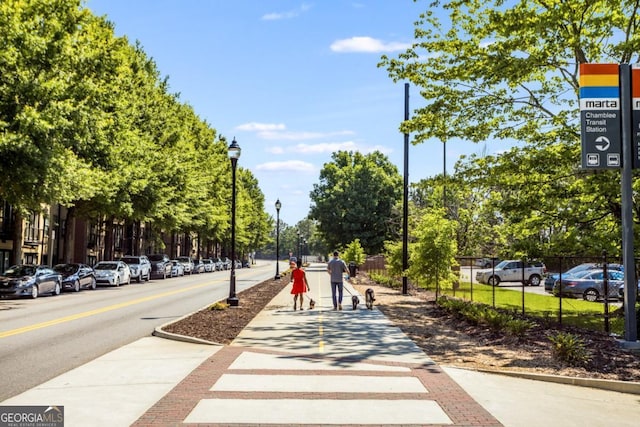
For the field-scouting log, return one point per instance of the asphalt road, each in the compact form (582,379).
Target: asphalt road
(45,337)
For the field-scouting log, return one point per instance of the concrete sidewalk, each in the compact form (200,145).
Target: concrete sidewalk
(312,367)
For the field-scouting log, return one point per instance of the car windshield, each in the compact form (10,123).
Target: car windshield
(502,264)
(131,260)
(20,270)
(156,257)
(66,268)
(184,259)
(106,266)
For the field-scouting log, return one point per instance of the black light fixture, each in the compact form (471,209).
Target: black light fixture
(298,255)
(234,154)
(278,206)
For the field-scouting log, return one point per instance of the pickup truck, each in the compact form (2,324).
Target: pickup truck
(511,271)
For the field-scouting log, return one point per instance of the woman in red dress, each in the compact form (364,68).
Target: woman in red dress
(300,284)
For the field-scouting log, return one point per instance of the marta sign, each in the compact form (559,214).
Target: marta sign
(600,116)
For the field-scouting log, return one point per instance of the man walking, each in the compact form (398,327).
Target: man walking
(335,268)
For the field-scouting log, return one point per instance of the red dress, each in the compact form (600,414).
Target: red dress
(299,287)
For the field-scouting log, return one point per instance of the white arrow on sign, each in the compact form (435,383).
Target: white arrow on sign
(602,143)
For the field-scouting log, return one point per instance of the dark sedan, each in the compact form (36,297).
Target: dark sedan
(160,266)
(30,280)
(76,276)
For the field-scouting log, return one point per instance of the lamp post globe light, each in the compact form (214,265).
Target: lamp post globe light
(234,154)
(278,206)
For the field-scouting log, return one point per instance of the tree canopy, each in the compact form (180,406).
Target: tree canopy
(355,199)
(494,70)
(87,122)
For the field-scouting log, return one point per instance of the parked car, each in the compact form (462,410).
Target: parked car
(589,285)
(551,278)
(198,266)
(140,267)
(246,263)
(30,280)
(238,264)
(219,265)
(226,263)
(621,292)
(513,271)
(160,266)
(177,269)
(187,263)
(76,276)
(113,273)
(487,262)
(208,264)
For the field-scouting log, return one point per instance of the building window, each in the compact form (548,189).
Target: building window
(31,232)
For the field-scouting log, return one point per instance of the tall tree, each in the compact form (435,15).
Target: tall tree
(355,200)
(491,70)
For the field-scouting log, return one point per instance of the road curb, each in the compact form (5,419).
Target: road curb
(628,387)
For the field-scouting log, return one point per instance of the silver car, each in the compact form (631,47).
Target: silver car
(589,285)
(113,273)
(140,267)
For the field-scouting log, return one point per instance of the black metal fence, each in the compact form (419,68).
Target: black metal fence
(598,307)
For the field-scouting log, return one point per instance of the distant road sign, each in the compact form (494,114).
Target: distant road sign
(600,116)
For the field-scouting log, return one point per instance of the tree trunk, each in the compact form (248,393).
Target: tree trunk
(69,235)
(18,229)
(108,239)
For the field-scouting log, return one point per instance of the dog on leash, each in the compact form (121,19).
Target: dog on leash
(355,301)
(370,298)
(312,303)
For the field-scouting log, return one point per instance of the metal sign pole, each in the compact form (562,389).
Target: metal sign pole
(628,259)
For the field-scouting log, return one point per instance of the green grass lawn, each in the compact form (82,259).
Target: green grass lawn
(584,314)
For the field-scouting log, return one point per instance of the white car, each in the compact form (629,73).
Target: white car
(140,267)
(113,273)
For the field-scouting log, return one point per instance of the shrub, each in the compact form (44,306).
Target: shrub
(518,327)
(219,306)
(569,348)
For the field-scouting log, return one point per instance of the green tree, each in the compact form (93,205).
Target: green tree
(432,253)
(354,253)
(355,200)
(510,72)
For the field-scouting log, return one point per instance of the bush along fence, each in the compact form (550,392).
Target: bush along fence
(575,290)
(526,286)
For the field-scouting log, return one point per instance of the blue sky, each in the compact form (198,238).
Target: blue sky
(291,81)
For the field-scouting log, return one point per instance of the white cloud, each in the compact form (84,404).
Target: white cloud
(367,44)
(300,136)
(276,16)
(329,147)
(261,127)
(287,166)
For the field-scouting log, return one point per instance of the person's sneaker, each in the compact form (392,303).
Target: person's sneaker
(339,306)
(335,308)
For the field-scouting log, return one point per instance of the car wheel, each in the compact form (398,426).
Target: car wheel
(493,281)
(117,283)
(139,278)
(56,288)
(590,295)
(76,286)
(93,285)
(535,280)
(34,292)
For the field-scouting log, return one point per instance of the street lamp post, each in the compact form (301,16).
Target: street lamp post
(234,154)
(298,255)
(278,206)
(304,251)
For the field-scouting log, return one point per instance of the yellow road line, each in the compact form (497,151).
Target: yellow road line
(94,312)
